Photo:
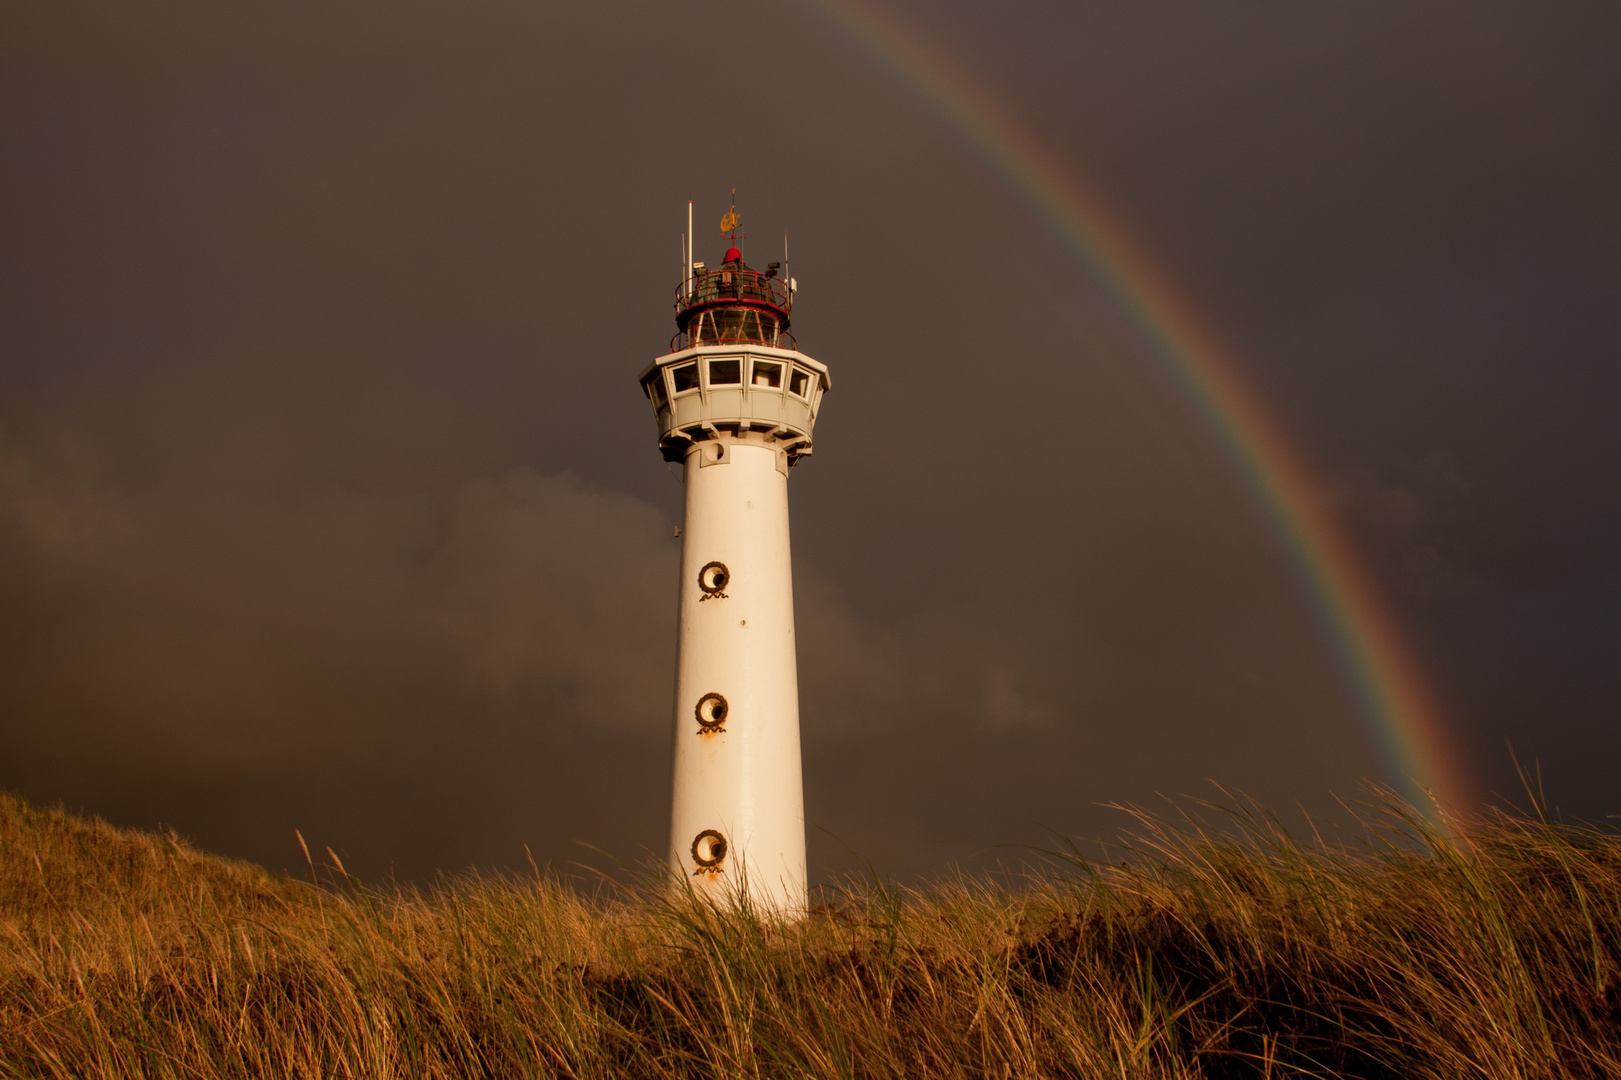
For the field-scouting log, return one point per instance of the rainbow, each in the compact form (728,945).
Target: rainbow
(1423,761)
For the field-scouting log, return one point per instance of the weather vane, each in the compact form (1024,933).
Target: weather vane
(730,221)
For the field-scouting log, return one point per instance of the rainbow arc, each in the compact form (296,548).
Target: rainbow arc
(1425,763)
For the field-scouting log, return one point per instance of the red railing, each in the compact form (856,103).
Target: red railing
(719,286)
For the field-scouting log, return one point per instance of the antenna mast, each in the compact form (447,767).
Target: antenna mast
(787,272)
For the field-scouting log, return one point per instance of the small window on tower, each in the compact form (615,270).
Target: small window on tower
(655,390)
(767,374)
(725,372)
(685,377)
(799,382)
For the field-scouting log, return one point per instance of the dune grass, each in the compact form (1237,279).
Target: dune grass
(1234,952)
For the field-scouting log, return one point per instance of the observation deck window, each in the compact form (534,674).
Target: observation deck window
(685,377)
(655,389)
(725,372)
(799,382)
(767,374)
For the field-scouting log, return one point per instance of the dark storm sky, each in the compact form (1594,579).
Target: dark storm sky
(328,500)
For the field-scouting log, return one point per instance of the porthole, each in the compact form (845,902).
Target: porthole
(713,577)
(708,849)
(711,712)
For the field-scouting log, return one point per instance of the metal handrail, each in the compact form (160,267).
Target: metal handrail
(718,286)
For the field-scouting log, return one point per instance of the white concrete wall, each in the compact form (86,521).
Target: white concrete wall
(742,781)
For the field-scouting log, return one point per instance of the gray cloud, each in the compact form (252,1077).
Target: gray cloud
(327,500)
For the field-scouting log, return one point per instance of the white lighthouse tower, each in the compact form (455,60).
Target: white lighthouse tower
(736,401)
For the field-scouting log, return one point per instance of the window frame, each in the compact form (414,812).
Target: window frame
(709,367)
(755,363)
(696,385)
(660,397)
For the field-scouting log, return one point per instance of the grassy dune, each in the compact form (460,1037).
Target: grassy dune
(1238,954)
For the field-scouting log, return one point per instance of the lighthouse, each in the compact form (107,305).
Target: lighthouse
(735,402)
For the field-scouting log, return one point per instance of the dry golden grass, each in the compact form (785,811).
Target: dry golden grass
(1239,953)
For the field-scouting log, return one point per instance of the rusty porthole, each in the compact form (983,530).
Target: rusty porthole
(712,579)
(708,849)
(711,712)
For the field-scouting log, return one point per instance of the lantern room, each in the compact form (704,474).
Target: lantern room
(733,304)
